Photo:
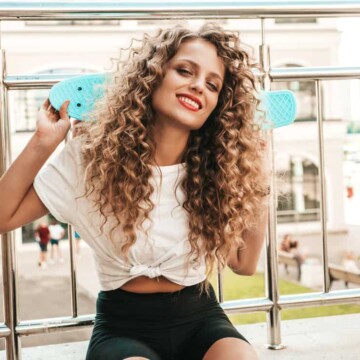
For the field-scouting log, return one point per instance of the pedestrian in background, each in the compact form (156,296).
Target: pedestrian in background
(291,246)
(42,236)
(56,234)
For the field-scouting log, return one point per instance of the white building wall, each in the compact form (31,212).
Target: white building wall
(301,139)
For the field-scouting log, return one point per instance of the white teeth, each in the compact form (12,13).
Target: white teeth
(189,101)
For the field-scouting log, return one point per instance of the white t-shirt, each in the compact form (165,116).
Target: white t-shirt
(165,251)
(56,231)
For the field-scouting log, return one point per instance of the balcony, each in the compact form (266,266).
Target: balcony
(328,338)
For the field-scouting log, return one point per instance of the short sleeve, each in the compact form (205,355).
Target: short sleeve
(58,182)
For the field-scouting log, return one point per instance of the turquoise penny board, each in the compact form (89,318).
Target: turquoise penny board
(83,91)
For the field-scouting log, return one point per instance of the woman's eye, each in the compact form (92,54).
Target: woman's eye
(184,71)
(212,86)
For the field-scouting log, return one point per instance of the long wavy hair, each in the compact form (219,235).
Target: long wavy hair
(224,181)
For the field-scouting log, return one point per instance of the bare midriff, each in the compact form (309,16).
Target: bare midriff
(145,285)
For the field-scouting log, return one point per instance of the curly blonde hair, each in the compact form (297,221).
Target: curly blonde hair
(224,181)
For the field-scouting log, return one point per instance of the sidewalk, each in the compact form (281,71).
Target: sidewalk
(87,279)
(45,293)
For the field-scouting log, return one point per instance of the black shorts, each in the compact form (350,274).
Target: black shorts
(43,247)
(167,326)
(54,242)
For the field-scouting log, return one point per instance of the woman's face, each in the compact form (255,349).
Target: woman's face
(190,88)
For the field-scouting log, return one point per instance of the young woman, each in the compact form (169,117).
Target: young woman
(166,185)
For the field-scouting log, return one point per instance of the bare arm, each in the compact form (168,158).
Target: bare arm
(243,261)
(19,203)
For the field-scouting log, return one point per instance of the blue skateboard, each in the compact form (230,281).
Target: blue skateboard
(83,91)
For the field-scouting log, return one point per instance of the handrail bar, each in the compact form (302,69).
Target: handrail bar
(4,330)
(145,9)
(43,81)
(50,325)
(334,297)
(315,73)
(36,81)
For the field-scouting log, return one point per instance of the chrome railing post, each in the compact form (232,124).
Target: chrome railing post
(7,240)
(74,303)
(73,272)
(323,206)
(271,273)
(220,283)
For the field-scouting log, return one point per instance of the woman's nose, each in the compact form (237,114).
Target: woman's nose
(198,85)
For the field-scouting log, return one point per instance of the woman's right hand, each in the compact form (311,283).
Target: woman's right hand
(52,125)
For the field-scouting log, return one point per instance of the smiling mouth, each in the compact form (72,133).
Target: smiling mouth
(189,103)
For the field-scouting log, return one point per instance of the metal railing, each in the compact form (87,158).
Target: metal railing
(13,329)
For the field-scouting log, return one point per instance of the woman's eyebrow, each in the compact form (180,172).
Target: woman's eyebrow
(195,64)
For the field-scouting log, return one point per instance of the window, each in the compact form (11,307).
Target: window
(299,197)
